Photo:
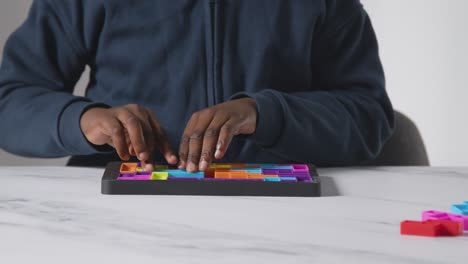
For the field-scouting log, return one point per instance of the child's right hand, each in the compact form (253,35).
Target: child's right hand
(131,129)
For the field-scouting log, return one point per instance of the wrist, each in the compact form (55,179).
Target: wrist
(88,113)
(69,130)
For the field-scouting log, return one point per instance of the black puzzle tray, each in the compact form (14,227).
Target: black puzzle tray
(221,179)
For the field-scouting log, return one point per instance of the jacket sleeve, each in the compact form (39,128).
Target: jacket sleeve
(42,61)
(347,120)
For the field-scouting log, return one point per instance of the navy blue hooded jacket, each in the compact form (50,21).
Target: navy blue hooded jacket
(311,65)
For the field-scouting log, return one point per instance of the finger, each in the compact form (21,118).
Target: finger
(131,150)
(149,135)
(162,141)
(135,133)
(228,131)
(209,141)
(115,130)
(185,140)
(196,139)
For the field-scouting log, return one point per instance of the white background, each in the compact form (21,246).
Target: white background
(423,47)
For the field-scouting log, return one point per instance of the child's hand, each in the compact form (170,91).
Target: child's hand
(130,129)
(210,131)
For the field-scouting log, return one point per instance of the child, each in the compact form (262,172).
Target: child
(234,80)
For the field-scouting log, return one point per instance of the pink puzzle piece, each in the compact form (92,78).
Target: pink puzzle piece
(438,215)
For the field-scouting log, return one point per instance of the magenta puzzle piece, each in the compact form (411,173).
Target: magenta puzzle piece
(438,215)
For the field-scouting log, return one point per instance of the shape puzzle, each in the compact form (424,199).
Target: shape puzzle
(230,179)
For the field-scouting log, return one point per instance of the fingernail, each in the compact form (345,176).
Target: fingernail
(203,165)
(191,167)
(173,158)
(148,167)
(181,165)
(142,156)
(217,153)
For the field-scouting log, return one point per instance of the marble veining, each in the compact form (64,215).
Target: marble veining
(57,215)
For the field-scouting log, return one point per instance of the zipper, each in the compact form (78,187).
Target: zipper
(215,27)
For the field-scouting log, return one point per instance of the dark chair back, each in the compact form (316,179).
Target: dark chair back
(404,148)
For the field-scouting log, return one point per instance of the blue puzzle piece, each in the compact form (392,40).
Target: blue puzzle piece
(247,170)
(460,208)
(261,165)
(282,167)
(253,170)
(291,179)
(272,179)
(183,174)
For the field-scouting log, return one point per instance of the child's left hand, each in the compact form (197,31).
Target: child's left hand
(209,132)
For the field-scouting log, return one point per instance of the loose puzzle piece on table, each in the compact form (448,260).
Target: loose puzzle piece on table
(432,228)
(460,208)
(436,223)
(438,215)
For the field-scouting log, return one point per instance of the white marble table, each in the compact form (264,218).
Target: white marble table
(57,215)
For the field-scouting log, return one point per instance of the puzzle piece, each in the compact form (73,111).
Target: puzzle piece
(159,175)
(431,228)
(438,215)
(128,168)
(460,208)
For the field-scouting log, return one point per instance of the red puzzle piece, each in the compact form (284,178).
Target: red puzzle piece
(449,228)
(431,228)
(418,228)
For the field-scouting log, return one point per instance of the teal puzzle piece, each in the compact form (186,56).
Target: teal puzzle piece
(460,208)
(183,174)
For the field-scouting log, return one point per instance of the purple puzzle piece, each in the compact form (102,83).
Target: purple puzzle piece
(229,179)
(127,174)
(183,178)
(270,171)
(135,178)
